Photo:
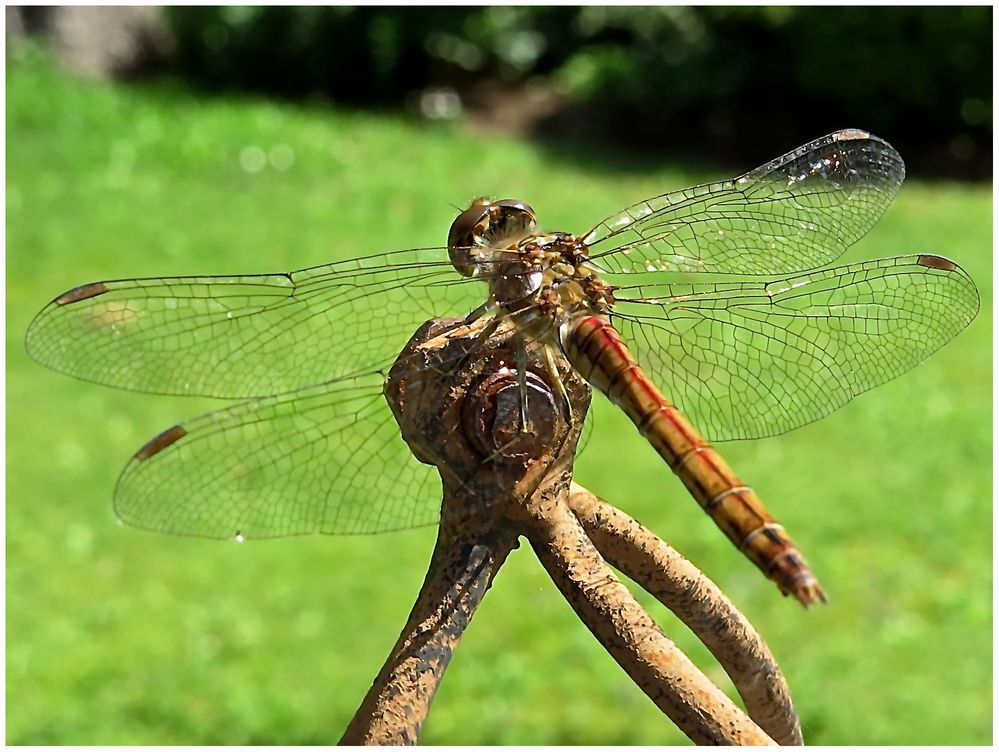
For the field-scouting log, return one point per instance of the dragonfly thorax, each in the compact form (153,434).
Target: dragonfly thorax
(498,242)
(550,287)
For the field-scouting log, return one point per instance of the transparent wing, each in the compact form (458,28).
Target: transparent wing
(326,459)
(246,336)
(798,212)
(750,359)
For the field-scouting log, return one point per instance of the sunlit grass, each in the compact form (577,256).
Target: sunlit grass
(115,636)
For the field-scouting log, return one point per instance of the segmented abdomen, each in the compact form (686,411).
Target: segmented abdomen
(597,351)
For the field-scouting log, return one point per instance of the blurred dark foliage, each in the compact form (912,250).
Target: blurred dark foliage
(724,79)
(717,84)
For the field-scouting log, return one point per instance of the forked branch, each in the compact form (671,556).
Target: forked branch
(500,482)
(701,710)
(698,603)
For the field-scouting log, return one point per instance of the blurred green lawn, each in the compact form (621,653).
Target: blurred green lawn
(117,636)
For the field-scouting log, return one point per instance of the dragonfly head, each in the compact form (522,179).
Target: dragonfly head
(487,224)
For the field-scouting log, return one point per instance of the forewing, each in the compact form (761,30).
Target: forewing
(756,358)
(327,459)
(798,212)
(247,336)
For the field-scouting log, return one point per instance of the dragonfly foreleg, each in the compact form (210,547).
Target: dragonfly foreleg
(525,426)
(475,315)
(556,382)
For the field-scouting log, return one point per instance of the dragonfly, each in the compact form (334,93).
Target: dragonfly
(706,314)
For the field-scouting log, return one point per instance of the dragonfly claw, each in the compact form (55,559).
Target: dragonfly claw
(809,592)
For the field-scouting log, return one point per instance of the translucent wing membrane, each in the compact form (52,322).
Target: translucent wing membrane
(798,212)
(750,359)
(246,336)
(327,459)
(324,459)
(316,448)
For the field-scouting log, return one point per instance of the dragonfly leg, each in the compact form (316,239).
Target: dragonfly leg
(556,382)
(475,315)
(525,421)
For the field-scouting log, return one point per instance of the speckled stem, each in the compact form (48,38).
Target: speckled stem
(701,710)
(688,593)
(461,570)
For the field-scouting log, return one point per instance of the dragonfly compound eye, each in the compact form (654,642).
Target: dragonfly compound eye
(487,224)
(465,236)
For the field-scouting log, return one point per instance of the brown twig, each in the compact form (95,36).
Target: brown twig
(701,710)
(698,603)
(461,570)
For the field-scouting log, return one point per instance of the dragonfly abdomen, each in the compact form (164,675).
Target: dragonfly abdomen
(597,351)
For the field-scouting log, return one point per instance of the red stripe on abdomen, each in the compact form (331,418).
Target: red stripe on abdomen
(597,351)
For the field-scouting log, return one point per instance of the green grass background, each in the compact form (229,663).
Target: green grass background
(117,636)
